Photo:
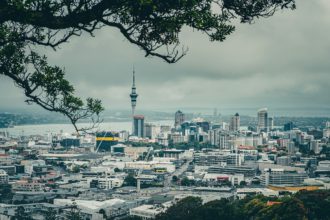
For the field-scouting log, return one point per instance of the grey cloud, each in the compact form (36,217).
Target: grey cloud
(279,61)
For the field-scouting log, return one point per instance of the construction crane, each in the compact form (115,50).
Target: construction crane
(138,176)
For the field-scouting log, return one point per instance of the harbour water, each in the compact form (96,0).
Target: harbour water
(43,129)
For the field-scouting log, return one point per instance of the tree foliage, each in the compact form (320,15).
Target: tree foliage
(303,205)
(184,209)
(153,25)
(51,214)
(21,214)
(74,213)
(6,193)
(130,180)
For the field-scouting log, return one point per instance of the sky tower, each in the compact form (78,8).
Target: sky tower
(133,96)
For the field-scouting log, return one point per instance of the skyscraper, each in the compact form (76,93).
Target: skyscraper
(151,131)
(133,96)
(288,126)
(235,122)
(263,119)
(138,125)
(179,119)
(270,123)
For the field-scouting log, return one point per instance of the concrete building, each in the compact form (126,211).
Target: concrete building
(95,210)
(10,170)
(178,138)
(270,123)
(278,177)
(326,133)
(214,177)
(28,186)
(283,161)
(315,146)
(291,148)
(263,120)
(29,164)
(246,171)
(138,126)
(135,152)
(107,183)
(179,119)
(151,130)
(5,159)
(243,192)
(149,211)
(235,122)
(151,165)
(3,177)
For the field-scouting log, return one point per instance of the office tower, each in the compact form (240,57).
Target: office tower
(133,96)
(235,122)
(262,120)
(151,130)
(179,119)
(204,125)
(288,126)
(291,148)
(270,123)
(138,126)
(315,146)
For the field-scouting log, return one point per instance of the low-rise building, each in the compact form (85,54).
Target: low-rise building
(246,171)
(97,210)
(150,211)
(3,177)
(243,192)
(282,177)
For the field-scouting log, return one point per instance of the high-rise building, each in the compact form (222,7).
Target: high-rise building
(288,126)
(151,130)
(133,96)
(315,146)
(270,123)
(138,126)
(235,122)
(179,119)
(262,120)
(291,148)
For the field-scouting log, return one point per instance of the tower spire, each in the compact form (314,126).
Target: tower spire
(133,76)
(133,96)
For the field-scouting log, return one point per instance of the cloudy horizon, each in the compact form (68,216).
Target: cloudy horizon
(278,62)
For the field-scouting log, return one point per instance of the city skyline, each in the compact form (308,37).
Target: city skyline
(234,74)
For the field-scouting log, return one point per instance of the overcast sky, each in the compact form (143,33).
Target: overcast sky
(282,61)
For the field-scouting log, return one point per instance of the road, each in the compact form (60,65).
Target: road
(168,179)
